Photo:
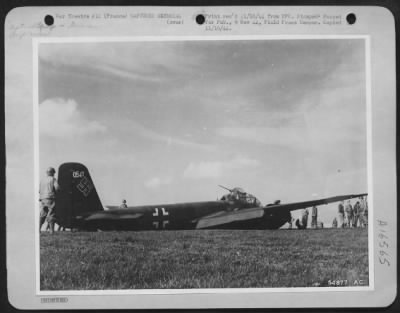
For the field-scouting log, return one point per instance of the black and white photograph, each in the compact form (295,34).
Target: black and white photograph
(196,164)
(200,157)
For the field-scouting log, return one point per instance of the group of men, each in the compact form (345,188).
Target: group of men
(352,216)
(301,223)
(348,216)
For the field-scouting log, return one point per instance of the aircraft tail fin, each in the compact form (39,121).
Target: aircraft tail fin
(77,194)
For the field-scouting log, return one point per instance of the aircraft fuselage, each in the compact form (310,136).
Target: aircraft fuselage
(171,217)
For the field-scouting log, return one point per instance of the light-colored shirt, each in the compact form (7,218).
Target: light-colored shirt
(314,211)
(349,209)
(48,187)
(362,205)
(304,217)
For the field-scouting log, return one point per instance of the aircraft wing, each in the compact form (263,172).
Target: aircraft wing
(229,217)
(307,204)
(252,213)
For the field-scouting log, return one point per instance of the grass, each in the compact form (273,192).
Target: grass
(202,259)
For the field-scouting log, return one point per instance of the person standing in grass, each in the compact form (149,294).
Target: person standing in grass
(314,216)
(290,221)
(349,214)
(334,223)
(362,214)
(365,216)
(123,205)
(47,196)
(356,214)
(301,222)
(341,214)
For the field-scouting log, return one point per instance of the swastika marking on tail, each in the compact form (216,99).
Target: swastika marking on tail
(85,186)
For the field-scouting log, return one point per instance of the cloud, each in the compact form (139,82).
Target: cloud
(330,118)
(128,74)
(152,61)
(156,182)
(137,129)
(264,135)
(61,118)
(216,169)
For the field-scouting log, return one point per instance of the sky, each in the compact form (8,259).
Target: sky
(165,122)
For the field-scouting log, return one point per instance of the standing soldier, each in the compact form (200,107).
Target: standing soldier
(349,214)
(290,221)
(365,217)
(301,222)
(361,210)
(341,214)
(356,211)
(304,218)
(314,216)
(123,205)
(47,197)
(334,222)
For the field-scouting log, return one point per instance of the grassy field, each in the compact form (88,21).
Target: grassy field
(202,259)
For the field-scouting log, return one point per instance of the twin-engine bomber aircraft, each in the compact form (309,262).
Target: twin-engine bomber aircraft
(78,206)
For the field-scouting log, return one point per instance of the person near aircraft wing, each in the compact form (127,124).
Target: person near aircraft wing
(341,214)
(334,223)
(365,215)
(302,222)
(314,217)
(349,214)
(356,214)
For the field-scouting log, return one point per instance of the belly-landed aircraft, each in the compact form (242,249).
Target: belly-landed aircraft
(78,206)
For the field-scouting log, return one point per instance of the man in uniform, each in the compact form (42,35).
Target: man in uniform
(290,221)
(361,212)
(47,197)
(314,216)
(349,214)
(334,223)
(304,217)
(301,223)
(356,214)
(365,217)
(123,205)
(341,214)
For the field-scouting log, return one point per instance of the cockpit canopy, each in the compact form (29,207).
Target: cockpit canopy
(239,195)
